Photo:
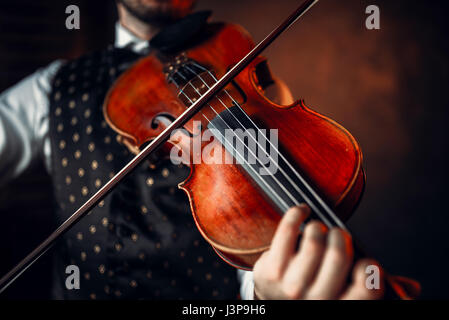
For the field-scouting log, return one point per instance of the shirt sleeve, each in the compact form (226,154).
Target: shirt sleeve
(24,123)
(246,284)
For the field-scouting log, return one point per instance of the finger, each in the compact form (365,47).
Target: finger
(303,267)
(285,237)
(337,260)
(363,287)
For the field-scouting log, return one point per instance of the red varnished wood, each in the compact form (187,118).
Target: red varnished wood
(228,208)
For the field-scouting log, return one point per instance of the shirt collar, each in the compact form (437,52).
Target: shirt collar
(125,38)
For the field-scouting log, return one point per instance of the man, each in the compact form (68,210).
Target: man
(140,241)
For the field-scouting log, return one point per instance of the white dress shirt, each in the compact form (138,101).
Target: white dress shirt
(24,125)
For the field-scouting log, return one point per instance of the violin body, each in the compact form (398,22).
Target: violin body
(228,207)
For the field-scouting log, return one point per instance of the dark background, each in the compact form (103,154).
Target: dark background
(388,87)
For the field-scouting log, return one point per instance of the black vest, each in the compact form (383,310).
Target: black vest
(141,241)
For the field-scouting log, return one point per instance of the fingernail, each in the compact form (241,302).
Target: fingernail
(336,239)
(293,214)
(304,208)
(316,230)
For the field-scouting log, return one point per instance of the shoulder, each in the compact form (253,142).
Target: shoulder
(40,79)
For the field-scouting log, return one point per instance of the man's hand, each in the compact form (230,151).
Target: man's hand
(318,270)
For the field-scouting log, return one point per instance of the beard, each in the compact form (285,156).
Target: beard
(158,12)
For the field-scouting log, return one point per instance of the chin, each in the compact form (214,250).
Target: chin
(158,10)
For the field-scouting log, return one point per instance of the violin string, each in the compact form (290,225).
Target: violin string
(289,195)
(284,205)
(305,197)
(293,184)
(181,91)
(303,181)
(282,202)
(292,198)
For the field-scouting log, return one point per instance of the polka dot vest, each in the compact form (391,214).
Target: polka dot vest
(141,241)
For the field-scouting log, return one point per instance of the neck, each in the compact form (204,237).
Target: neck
(143,30)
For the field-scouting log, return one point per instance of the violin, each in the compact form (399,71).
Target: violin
(236,208)
(216,83)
